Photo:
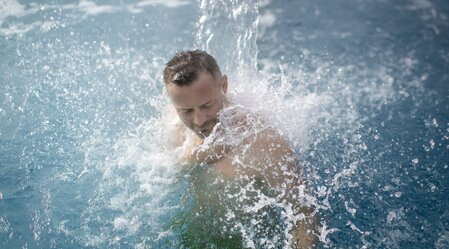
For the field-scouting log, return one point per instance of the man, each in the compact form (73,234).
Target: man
(245,165)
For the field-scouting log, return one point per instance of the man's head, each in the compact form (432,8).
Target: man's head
(196,88)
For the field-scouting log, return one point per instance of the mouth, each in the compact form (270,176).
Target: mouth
(204,132)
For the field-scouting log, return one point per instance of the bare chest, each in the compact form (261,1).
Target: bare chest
(230,169)
(224,167)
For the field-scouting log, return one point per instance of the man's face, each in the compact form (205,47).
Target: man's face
(199,103)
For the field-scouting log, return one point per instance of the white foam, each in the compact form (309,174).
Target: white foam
(10,8)
(18,28)
(92,9)
(267,19)
(324,232)
(85,7)
(5,226)
(165,3)
(421,4)
(354,227)
(350,210)
(443,240)
(122,223)
(264,3)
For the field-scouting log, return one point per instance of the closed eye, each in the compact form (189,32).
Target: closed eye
(207,105)
(185,111)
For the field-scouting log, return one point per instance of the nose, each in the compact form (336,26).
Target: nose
(200,118)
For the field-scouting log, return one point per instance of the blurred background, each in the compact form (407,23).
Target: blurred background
(359,88)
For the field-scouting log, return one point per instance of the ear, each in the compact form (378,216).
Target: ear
(224,84)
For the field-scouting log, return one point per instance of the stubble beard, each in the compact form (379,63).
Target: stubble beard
(209,127)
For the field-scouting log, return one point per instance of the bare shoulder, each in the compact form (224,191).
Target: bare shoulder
(271,158)
(178,139)
(173,130)
(238,123)
(253,133)
(269,146)
(178,134)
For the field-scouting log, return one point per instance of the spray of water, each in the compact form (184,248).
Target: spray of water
(86,121)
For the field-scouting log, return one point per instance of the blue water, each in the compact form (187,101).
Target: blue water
(359,88)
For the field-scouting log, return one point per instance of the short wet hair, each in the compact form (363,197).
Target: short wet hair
(185,67)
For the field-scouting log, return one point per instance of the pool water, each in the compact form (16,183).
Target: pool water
(358,88)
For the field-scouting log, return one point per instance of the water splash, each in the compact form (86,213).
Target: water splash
(228,30)
(82,153)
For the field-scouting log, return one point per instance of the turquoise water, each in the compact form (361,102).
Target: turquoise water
(359,89)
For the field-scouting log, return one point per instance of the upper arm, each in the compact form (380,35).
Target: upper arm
(275,162)
(279,166)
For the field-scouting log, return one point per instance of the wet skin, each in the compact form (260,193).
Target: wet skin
(198,105)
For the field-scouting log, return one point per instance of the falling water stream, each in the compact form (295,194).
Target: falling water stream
(359,89)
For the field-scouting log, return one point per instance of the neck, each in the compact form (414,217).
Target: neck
(199,140)
(226,102)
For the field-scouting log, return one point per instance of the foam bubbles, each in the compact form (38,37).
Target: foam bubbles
(443,241)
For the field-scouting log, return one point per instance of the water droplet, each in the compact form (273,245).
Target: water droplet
(391,216)
(432,143)
(322,190)
(433,187)
(434,122)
